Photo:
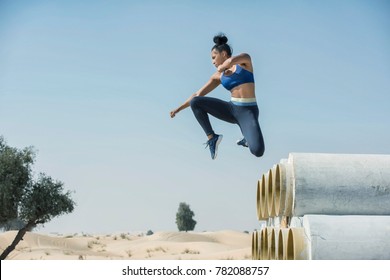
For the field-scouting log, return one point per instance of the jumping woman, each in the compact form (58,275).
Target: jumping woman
(235,73)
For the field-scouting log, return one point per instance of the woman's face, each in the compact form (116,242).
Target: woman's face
(218,57)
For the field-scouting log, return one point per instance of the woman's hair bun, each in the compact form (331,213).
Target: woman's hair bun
(220,39)
(221,45)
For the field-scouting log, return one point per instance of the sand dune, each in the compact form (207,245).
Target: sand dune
(159,246)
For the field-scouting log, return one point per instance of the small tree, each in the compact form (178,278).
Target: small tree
(184,219)
(15,174)
(24,200)
(42,201)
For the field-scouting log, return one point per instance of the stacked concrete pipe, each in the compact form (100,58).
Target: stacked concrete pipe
(328,193)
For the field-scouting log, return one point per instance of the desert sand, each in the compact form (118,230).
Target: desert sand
(221,245)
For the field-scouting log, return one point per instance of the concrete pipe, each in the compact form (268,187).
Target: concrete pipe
(286,188)
(271,192)
(266,234)
(279,189)
(347,237)
(263,197)
(258,201)
(297,244)
(259,242)
(255,245)
(272,243)
(262,245)
(340,184)
(282,242)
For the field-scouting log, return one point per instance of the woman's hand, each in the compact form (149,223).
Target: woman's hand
(174,112)
(221,68)
(225,65)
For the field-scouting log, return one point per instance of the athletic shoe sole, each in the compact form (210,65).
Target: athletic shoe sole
(216,145)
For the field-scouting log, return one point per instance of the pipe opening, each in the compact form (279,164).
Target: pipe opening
(290,246)
(258,201)
(282,240)
(270,194)
(277,190)
(264,244)
(253,245)
(263,197)
(272,245)
(296,245)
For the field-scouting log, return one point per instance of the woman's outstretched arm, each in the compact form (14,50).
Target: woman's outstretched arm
(207,88)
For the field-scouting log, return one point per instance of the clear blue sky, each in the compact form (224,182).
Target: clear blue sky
(90,85)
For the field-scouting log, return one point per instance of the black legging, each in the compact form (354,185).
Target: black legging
(245,116)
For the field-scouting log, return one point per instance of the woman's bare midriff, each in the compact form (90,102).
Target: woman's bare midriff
(244,91)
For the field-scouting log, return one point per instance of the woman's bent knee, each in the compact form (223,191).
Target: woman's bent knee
(195,101)
(257,151)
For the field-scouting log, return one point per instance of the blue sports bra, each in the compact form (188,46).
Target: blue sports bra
(238,77)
